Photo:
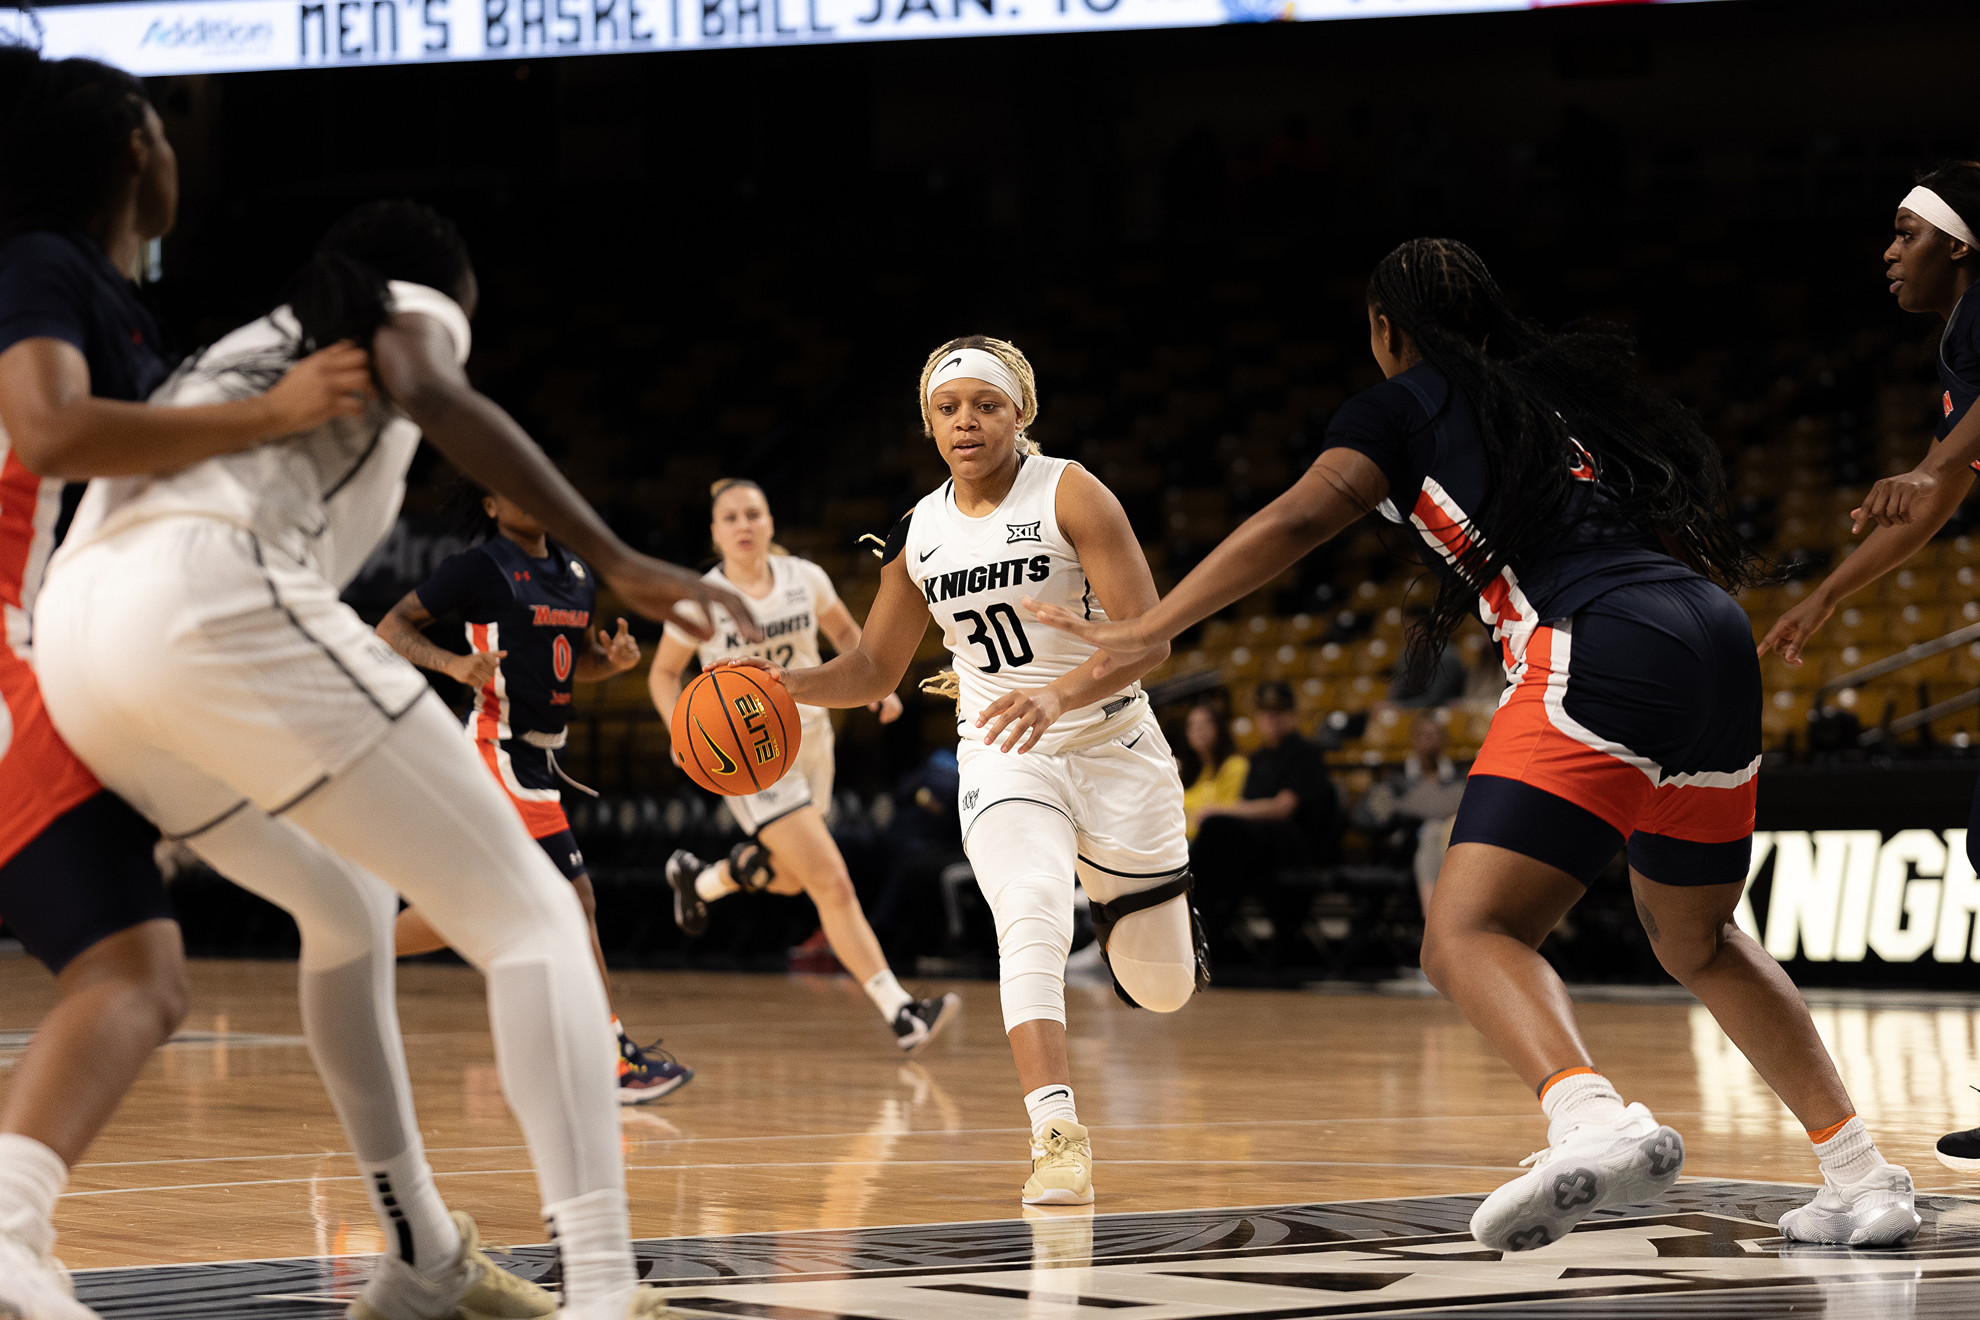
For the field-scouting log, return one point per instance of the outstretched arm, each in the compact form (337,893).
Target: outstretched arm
(1341,486)
(1917,495)
(402,630)
(61,430)
(663,676)
(1096,524)
(416,365)
(875,667)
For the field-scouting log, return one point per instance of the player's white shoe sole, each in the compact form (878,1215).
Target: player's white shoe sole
(1619,1163)
(1879,1211)
(645,1304)
(33,1287)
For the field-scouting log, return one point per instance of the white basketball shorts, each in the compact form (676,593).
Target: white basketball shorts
(807,783)
(1124,798)
(187,644)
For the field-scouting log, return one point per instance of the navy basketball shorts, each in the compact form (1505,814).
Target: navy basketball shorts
(1634,723)
(85,877)
(562,849)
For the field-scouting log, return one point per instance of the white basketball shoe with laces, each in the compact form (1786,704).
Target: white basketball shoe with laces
(1622,1161)
(1880,1210)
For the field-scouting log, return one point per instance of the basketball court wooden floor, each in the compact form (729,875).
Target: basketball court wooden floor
(1261,1154)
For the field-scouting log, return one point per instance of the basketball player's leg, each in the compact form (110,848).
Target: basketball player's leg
(1134,866)
(419,811)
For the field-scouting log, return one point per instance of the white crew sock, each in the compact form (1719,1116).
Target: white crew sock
(417,1227)
(591,1232)
(1578,1096)
(31,1177)
(886,994)
(1049,1103)
(712,884)
(1849,1156)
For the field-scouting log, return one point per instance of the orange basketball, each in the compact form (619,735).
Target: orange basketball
(735,731)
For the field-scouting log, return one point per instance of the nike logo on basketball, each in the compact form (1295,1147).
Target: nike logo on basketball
(924,558)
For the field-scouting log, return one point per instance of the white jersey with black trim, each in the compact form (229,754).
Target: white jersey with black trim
(800,593)
(325,497)
(973,572)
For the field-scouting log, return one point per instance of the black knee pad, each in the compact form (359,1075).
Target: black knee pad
(1107,915)
(749,867)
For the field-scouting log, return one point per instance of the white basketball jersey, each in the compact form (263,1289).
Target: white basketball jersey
(974,571)
(324,498)
(800,591)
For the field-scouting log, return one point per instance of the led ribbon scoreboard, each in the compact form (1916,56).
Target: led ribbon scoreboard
(151,37)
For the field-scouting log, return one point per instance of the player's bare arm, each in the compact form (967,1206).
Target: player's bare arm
(608,654)
(61,430)
(1098,527)
(1340,487)
(415,363)
(842,630)
(663,676)
(403,630)
(876,666)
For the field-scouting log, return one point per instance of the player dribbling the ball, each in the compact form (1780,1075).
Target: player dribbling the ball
(1063,774)
(788,850)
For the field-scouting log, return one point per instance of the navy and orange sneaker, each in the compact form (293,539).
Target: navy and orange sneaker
(648,1072)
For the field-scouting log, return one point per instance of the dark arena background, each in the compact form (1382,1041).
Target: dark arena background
(727,255)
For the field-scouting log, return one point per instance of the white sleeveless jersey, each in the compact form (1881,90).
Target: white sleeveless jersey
(800,592)
(974,571)
(324,498)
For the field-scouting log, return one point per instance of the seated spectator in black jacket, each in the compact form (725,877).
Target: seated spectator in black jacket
(1290,817)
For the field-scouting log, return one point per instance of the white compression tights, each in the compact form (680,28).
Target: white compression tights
(422,814)
(1025,864)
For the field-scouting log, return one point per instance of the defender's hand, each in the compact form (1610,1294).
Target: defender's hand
(1895,501)
(888,708)
(1792,630)
(331,382)
(1022,713)
(658,591)
(1121,643)
(620,651)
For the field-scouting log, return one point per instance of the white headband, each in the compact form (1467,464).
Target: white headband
(1928,205)
(975,364)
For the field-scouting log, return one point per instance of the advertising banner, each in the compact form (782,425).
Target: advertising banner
(151,37)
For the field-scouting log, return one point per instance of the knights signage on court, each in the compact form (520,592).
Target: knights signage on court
(151,37)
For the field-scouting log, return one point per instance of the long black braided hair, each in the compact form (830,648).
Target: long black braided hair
(1532,394)
(65,140)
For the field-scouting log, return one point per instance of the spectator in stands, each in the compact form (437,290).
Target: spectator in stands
(1212,770)
(1413,808)
(1289,817)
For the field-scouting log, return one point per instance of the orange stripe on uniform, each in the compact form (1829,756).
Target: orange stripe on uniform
(1524,744)
(541,819)
(40,778)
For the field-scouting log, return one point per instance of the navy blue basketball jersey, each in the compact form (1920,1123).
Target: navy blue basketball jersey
(1959,369)
(538,610)
(1422,438)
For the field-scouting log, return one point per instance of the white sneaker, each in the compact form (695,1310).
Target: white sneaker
(476,1289)
(1879,1211)
(1592,1166)
(36,1287)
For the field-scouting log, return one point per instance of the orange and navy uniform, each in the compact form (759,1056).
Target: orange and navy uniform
(74,860)
(1959,370)
(539,612)
(1633,706)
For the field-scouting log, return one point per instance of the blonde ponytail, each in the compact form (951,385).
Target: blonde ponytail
(1005,352)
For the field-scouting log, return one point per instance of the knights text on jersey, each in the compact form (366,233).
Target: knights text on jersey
(537,610)
(800,593)
(973,572)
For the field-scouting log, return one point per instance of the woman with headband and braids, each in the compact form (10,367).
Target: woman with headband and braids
(1064,771)
(787,848)
(1583,515)
(1932,262)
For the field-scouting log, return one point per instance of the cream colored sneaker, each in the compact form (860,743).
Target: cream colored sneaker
(1061,1166)
(36,1286)
(476,1289)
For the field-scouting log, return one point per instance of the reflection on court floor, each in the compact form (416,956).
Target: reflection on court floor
(1708,1250)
